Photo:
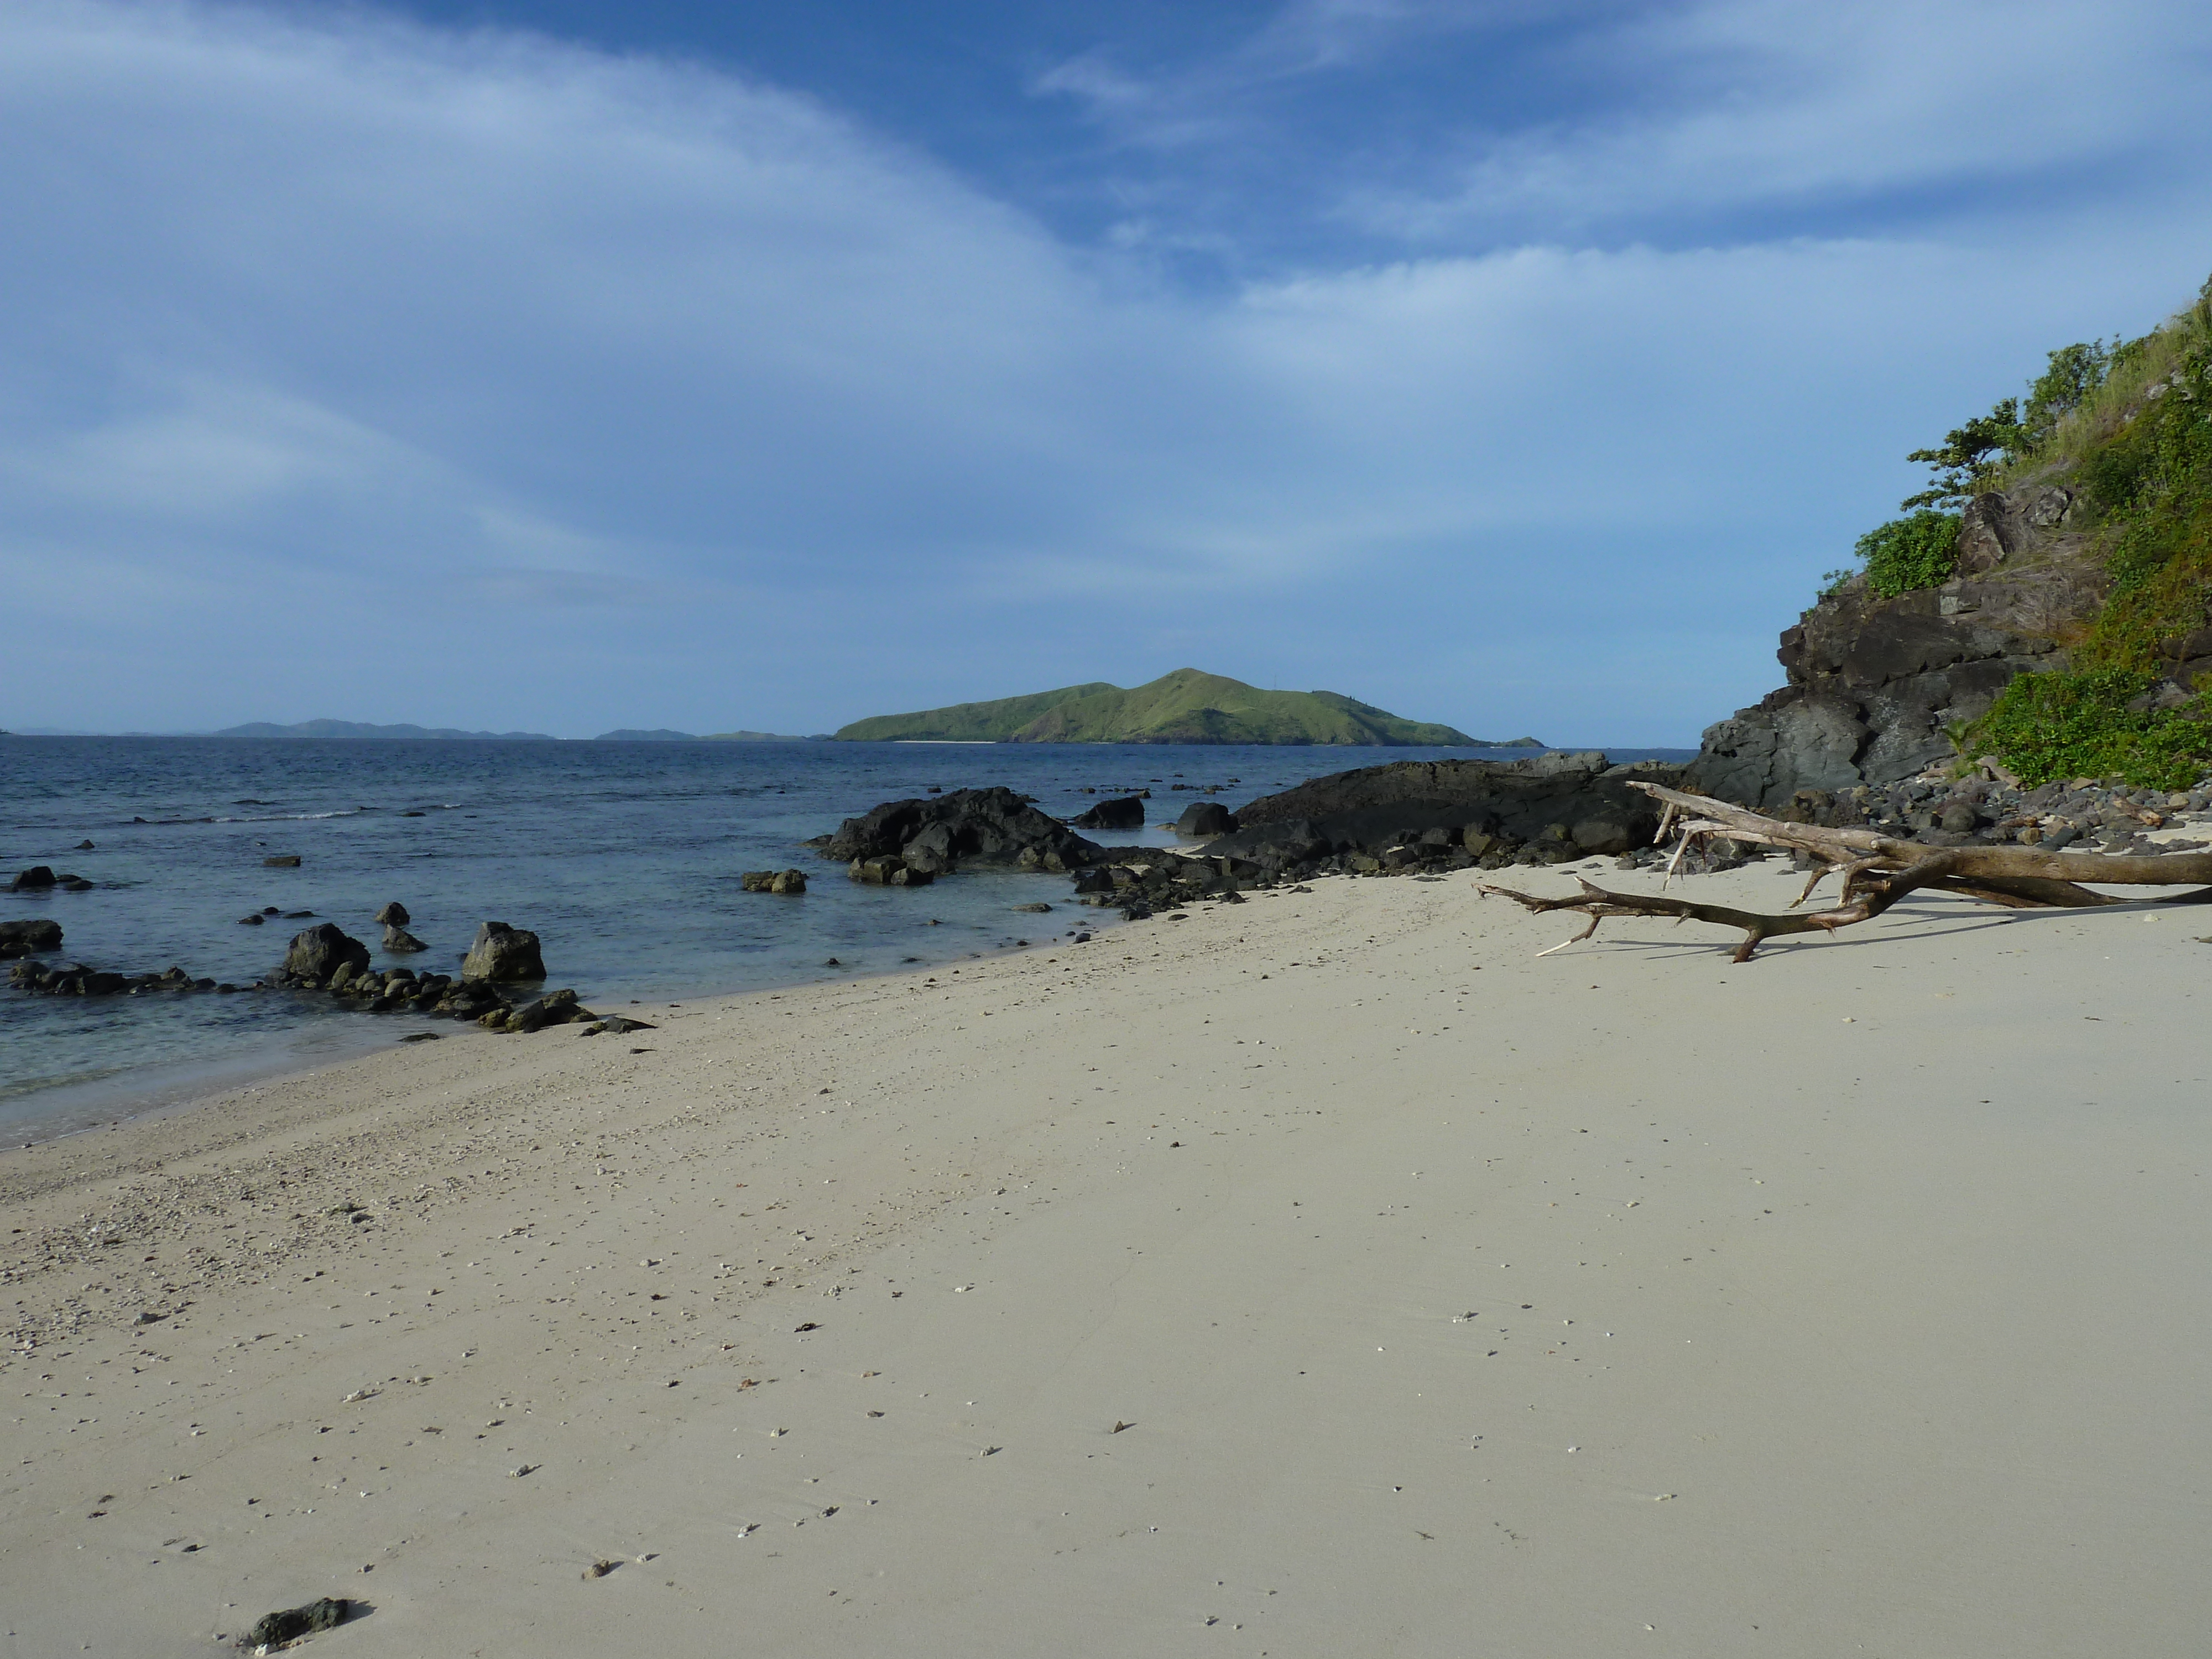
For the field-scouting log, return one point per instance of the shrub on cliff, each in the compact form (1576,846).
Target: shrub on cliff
(2081,724)
(1910,553)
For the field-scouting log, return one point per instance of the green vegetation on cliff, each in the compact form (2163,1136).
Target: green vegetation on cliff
(1186,705)
(2126,427)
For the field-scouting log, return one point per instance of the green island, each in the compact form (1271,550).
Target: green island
(1186,705)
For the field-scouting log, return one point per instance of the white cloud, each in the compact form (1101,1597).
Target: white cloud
(1740,105)
(350,368)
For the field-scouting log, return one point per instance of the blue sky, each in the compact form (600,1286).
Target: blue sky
(568,365)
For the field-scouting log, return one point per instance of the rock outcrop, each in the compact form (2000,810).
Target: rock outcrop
(503,953)
(318,952)
(398,941)
(936,834)
(774,881)
(1205,820)
(21,938)
(1553,807)
(1874,683)
(394,914)
(75,979)
(1125,812)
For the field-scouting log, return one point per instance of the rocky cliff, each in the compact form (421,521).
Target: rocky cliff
(1874,686)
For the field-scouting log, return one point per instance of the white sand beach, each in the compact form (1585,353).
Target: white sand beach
(1327,1274)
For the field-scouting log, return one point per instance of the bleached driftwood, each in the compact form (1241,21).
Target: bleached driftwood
(1877,871)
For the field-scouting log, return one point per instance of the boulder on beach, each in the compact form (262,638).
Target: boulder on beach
(1125,812)
(20,939)
(1574,804)
(37,879)
(502,952)
(274,1629)
(394,914)
(398,940)
(936,834)
(1277,841)
(319,952)
(1205,820)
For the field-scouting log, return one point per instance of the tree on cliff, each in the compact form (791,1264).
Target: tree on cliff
(1970,457)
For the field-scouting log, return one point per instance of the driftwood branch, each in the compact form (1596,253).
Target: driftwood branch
(1878,871)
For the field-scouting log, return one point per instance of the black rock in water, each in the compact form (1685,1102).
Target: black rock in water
(37,879)
(934,835)
(1126,812)
(398,940)
(1206,821)
(774,881)
(319,952)
(394,914)
(20,939)
(502,952)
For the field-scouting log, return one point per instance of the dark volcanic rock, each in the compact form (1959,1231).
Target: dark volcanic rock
(1204,821)
(1276,841)
(502,952)
(1873,683)
(774,881)
(292,1623)
(398,941)
(888,873)
(319,952)
(394,914)
(35,880)
(20,939)
(936,834)
(1576,803)
(1127,812)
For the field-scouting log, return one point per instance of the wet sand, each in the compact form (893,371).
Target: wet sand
(1323,1274)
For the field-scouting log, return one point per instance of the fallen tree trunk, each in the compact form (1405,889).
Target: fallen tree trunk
(1878,871)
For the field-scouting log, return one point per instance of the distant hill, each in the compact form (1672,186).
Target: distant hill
(1186,705)
(968,722)
(360,729)
(662,734)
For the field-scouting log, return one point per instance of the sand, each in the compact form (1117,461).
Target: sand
(1327,1274)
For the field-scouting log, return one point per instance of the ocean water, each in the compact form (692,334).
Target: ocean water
(624,857)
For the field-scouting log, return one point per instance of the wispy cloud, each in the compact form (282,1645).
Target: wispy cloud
(1736,107)
(337,348)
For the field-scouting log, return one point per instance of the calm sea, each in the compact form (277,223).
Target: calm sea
(624,858)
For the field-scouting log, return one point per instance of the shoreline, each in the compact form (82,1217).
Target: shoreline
(1621,1300)
(132,1093)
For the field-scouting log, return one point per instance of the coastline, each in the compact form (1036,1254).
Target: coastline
(1846,1296)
